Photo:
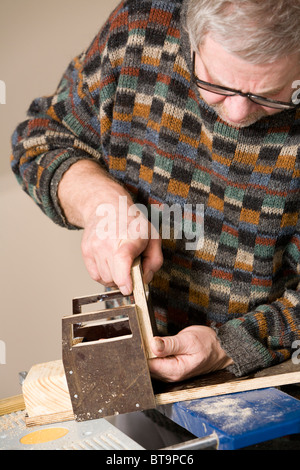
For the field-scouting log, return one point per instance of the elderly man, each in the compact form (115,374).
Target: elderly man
(192,103)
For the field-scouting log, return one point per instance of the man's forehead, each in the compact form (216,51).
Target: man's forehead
(223,66)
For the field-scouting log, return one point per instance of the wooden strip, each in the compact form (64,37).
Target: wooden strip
(49,419)
(141,304)
(223,382)
(223,389)
(12,405)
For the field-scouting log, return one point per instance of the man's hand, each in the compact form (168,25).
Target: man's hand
(193,351)
(112,238)
(109,252)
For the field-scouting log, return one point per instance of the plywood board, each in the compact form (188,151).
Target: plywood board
(217,383)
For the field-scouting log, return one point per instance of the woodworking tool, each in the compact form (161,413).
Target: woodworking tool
(105,354)
(111,375)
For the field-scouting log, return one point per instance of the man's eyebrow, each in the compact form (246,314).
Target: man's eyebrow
(266,93)
(216,81)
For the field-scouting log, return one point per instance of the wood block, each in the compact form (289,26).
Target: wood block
(46,394)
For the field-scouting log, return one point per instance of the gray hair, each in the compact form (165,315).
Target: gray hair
(258,31)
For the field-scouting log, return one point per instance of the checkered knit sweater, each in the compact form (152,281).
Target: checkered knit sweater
(129,103)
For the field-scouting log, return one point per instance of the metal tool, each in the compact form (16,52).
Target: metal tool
(22,377)
(105,355)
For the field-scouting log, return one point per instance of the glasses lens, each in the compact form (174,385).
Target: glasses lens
(219,90)
(269,103)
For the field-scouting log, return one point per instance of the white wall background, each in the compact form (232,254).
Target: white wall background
(41,268)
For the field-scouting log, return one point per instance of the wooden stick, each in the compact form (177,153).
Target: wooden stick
(42,420)
(222,383)
(141,303)
(12,405)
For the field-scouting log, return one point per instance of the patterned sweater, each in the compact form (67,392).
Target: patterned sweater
(129,103)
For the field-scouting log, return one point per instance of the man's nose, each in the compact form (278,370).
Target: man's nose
(238,108)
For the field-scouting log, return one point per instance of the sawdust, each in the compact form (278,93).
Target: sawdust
(231,412)
(12,421)
(10,427)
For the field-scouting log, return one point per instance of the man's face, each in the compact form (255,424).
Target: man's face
(215,65)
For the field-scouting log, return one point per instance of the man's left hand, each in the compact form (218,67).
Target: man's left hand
(193,351)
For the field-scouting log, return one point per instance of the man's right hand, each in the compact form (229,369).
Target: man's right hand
(115,232)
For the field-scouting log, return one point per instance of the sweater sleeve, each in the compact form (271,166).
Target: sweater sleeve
(269,334)
(66,127)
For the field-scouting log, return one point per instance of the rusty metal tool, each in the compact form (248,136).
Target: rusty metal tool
(105,353)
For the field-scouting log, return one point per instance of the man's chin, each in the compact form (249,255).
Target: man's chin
(245,123)
(252,119)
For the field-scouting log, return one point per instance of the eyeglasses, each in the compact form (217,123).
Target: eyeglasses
(224,91)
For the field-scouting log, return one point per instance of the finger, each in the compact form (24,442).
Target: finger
(168,346)
(165,369)
(104,272)
(152,259)
(96,276)
(92,269)
(121,264)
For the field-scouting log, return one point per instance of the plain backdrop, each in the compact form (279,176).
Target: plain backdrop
(41,265)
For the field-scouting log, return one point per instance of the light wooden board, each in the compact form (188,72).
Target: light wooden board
(46,394)
(48,399)
(140,300)
(223,382)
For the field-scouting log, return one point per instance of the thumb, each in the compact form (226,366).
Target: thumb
(167,346)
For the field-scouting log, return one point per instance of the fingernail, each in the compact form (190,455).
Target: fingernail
(125,290)
(148,277)
(159,344)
